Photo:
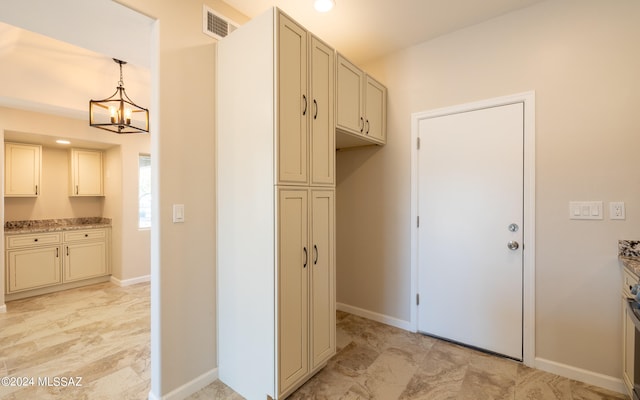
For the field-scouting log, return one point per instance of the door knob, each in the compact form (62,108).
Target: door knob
(513,245)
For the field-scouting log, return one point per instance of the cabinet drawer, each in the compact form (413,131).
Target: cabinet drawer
(628,281)
(87,234)
(36,239)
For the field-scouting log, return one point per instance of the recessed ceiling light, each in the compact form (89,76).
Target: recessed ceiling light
(60,141)
(323,5)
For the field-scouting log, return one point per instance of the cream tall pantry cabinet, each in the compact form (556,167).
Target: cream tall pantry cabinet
(275,218)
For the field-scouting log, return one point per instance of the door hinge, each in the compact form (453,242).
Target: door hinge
(417,299)
(418,221)
(418,144)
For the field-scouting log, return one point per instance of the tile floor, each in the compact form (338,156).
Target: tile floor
(101,333)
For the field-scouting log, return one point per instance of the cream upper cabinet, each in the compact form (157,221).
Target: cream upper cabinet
(22,168)
(349,90)
(293,103)
(376,110)
(86,172)
(322,78)
(305,93)
(361,106)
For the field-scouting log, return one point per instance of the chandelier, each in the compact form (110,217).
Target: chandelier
(118,113)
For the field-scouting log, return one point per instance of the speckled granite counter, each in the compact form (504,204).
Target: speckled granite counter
(55,225)
(629,255)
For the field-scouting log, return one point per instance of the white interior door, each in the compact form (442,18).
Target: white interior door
(470,207)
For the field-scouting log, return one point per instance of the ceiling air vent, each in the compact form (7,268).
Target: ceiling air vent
(216,25)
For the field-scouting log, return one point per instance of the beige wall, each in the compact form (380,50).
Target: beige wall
(183,342)
(581,58)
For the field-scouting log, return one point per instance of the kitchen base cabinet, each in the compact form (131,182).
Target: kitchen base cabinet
(33,268)
(84,260)
(38,263)
(628,333)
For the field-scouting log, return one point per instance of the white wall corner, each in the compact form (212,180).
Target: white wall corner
(374,316)
(582,375)
(188,388)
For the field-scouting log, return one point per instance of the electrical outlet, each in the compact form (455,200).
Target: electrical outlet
(616,210)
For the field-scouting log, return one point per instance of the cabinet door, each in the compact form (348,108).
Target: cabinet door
(349,91)
(294,104)
(293,265)
(628,343)
(85,260)
(22,166)
(323,309)
(375,110)
(323,147)
(86,173)
(32,268)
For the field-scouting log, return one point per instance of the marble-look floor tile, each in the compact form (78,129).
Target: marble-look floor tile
(533,384)
(101,333)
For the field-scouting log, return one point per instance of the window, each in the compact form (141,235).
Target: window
(144,191)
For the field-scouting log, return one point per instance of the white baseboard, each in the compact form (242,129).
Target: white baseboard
(130,281)
(3,308)
(374,316)
(582,375)
(188,388)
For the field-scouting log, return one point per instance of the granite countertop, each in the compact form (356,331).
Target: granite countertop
(629,255)
(55,225)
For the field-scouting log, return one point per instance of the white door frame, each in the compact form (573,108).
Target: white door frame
(528,312)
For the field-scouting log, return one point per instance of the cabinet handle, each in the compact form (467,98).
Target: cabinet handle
(36,190)
(361,124)
(367,127)
(67,250)
(57,252)
(76,189)
(306,257)
(35,240)
(304,97)
(86,235)
(315,248)
(315,103)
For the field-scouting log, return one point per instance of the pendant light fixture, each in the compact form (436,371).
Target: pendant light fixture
(323,5)
(118,113)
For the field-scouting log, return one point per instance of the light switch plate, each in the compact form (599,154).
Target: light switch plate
(585,210)
(178,213)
